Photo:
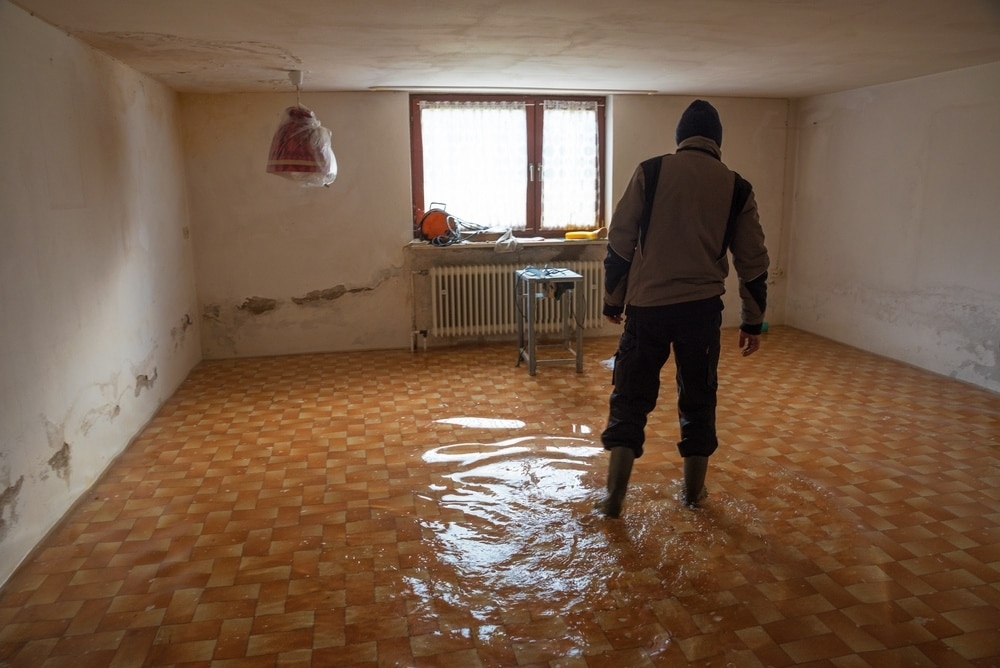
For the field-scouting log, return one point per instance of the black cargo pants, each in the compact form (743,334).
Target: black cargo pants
(693,330)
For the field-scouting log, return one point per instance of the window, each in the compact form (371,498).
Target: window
(531,164)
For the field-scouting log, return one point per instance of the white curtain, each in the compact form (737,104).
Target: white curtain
(569,164)
(475,159)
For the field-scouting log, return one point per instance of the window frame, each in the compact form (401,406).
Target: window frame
(533,138)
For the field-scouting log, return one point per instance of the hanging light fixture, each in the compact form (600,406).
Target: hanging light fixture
(300,149)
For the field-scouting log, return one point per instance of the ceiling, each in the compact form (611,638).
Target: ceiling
(758,48)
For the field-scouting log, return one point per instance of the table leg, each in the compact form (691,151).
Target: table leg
(530,313)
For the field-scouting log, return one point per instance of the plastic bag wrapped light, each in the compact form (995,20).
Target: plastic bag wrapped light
(300,149)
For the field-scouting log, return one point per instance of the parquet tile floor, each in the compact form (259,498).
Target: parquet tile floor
(436,509)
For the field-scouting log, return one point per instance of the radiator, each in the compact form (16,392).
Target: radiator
(477,300)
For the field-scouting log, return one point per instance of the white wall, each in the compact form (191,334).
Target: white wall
(890,239)
(98,319)
(895,221)
(753,143)
(262,242)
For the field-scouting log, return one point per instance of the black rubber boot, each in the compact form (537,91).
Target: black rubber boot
(619,471)
(695,469)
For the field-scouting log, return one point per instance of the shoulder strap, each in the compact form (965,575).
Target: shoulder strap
(741,192)
(650,177)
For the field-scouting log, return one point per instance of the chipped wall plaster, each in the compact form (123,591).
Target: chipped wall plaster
(285,269)
(97,268)
(241,327)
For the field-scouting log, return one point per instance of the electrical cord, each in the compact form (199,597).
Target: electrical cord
(458,230)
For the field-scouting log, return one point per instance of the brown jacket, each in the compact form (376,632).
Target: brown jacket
(679,261)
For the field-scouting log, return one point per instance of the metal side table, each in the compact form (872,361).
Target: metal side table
(532,285)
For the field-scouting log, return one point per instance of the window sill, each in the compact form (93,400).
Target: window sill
(417,244)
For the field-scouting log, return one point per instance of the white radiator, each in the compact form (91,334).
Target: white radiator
(477,300)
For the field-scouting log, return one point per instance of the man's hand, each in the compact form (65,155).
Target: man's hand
(749,343)
(614,319)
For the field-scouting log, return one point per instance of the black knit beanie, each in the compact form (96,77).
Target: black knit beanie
(700,119)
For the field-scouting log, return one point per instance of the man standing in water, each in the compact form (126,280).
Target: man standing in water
(665,269)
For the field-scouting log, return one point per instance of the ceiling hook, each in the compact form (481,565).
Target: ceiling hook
(296,77)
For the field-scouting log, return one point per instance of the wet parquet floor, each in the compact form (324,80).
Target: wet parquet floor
(436,509)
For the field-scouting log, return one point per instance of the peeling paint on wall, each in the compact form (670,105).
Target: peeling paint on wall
(258,305)
(336,292)
(145,381)
(8,507)
(327,295)
(317,295)
(60,462)
(234,328)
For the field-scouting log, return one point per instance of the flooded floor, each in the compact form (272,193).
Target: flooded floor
(437,509)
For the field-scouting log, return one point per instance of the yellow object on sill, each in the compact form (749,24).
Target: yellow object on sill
(586,234)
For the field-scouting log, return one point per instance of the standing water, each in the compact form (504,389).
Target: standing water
(520,557)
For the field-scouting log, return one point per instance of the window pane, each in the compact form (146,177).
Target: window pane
(475,157)
(569,165)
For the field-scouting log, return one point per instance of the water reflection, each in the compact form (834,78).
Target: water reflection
(517,534)
(521,534)
(482,423)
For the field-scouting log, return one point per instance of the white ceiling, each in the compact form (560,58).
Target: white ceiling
(756,48)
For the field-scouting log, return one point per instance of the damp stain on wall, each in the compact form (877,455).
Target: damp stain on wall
(258,305)
(145,381)
(168,58)
(338,291)
(178,332)
(60,462)
(107,412)
(261,305)
(225,325)
(8,506)
(329,294)
(218,335)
